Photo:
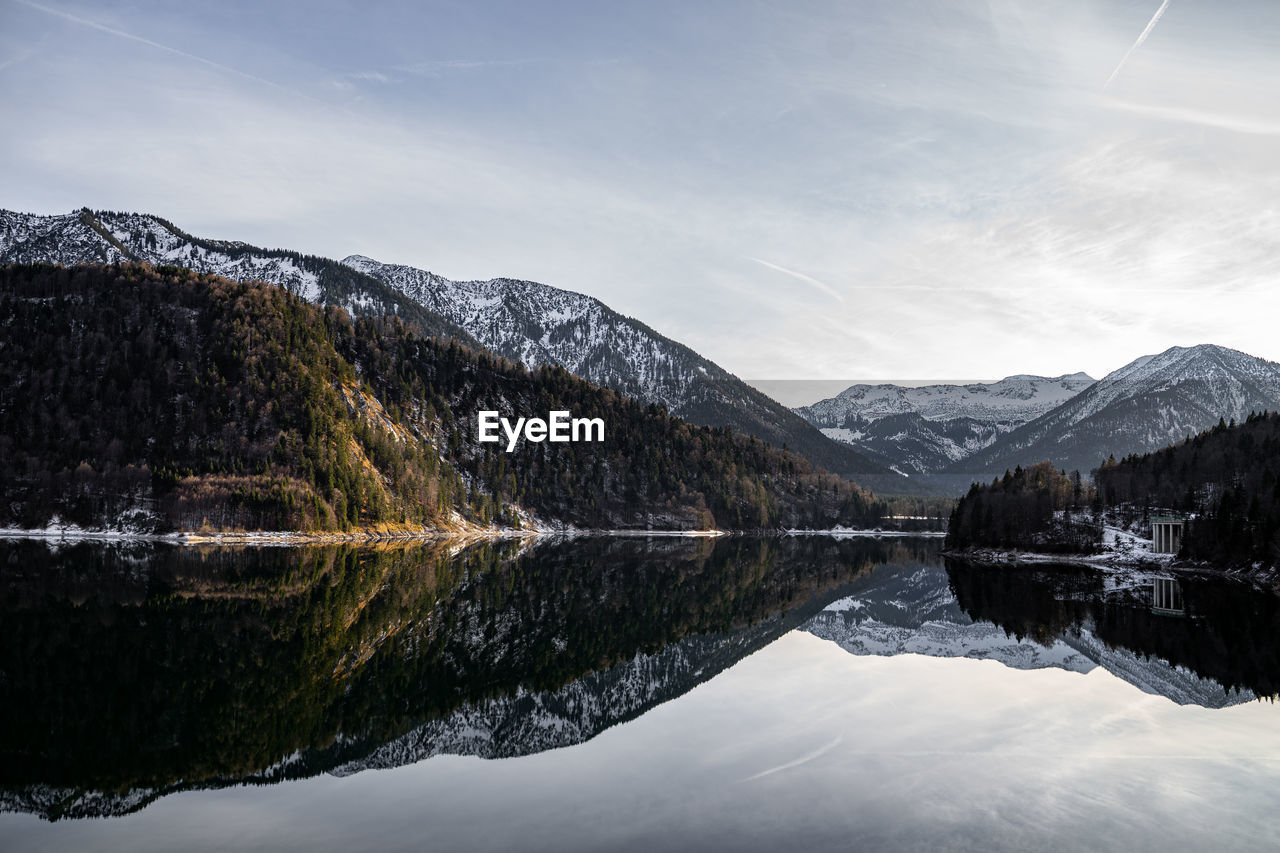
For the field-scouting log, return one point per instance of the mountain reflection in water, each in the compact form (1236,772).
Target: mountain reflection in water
(130,672)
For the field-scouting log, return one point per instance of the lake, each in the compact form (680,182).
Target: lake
(628,693)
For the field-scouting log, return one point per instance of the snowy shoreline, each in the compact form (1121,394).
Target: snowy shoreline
(1122,552)
(74,533)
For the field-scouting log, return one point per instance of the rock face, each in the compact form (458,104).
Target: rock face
(1147,404)
(520,320)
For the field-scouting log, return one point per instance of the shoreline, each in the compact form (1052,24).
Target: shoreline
(1117,563)
(289,538)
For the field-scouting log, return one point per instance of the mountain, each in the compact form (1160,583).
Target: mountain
(919,431)
(523,321)
(158,399)
(914,446)
(537,324)
(104,237)
(1150,403)
(1014,399)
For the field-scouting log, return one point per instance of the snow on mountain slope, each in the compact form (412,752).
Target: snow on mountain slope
(919,446)
(923,430)
(538,324)
(106,237)
(1150,403)
(150,239)
(1012,400)
(75,238)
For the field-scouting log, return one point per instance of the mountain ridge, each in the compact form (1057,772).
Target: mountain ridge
(1147,404)
(535,323)
(921,430)
(620,353)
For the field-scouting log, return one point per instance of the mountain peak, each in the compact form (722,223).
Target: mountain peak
(1201,361)
(1151,402)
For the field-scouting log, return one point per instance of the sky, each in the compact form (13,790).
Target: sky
(801,190)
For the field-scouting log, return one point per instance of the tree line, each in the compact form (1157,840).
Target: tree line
(1226,481)
(168,399)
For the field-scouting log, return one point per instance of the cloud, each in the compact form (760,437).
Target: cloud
(1202,118)
(371,76)
(442,67)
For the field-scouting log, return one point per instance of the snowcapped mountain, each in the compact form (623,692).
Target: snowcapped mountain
(102,237)
(922,430)
(916,446)
(1149,403)
(1014,399)
(520,320)
(538,324)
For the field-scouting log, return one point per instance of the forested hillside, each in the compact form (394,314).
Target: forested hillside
(161,399)
(1227,479)
(1038,508)
(523,321)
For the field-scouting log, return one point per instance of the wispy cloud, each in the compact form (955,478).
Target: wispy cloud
(441,67)
(370,76)
(1220,121)
(820,285)
(103,28)
(1137,44)
(14,60)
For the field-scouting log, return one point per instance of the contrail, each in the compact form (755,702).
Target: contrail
(820,285)
(85,22)
(1137,44)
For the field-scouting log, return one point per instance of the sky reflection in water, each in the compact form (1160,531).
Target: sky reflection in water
(800,746)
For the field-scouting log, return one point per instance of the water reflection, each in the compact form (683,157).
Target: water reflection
(1166,597)
(127,673)
(142,670)
(1072,618)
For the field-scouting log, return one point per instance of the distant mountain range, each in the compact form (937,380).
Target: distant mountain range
(1014,399)
(922,430)
(520,320)
(949,435)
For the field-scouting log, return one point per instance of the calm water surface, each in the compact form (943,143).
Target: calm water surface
(631,694)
